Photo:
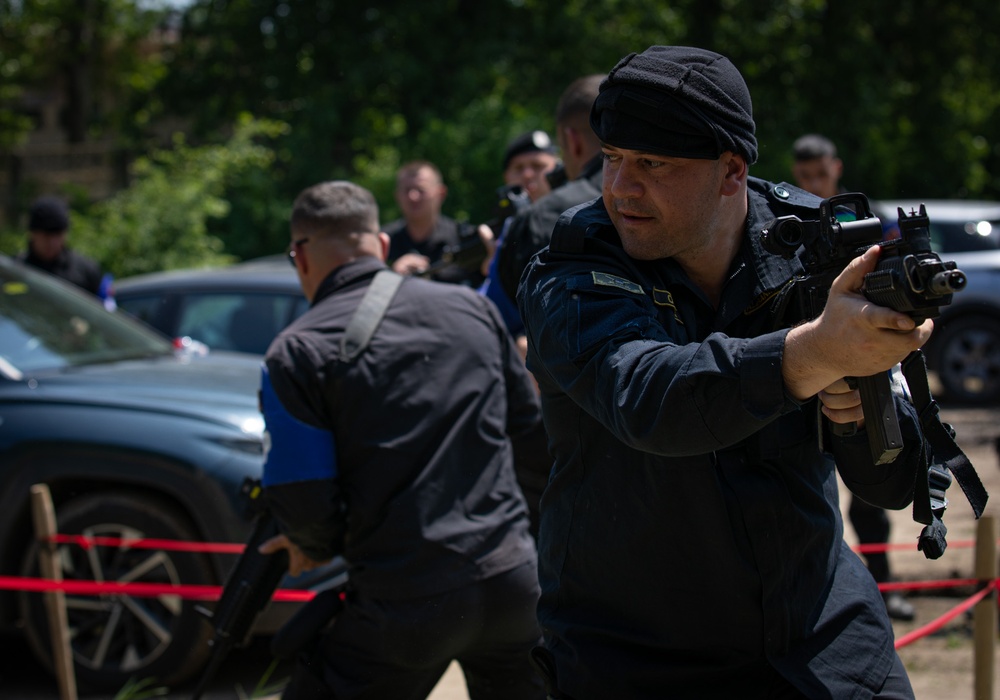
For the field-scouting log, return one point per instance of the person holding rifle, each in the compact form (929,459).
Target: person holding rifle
(392,447)
(691,544)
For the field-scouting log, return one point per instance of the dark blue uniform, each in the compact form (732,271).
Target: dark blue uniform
(691,544)
(412,439)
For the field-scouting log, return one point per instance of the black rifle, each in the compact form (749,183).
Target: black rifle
(248,589)
(909,278)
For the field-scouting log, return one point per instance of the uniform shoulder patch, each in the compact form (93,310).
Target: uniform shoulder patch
(603,279)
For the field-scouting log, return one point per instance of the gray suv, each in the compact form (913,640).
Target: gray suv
(241,307)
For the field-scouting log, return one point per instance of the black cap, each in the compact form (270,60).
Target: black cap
(677,101)
(530,142)
(48,214)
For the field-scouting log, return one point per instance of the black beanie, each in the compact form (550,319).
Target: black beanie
(48,214)
(677,101)
(531,142)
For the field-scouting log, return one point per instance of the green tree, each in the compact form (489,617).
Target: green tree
(163,220)
(99,53)
(909,91)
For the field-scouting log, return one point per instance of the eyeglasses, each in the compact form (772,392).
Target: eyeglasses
(292,247)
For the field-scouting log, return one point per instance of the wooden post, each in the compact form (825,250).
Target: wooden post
(44,517)
(985,613)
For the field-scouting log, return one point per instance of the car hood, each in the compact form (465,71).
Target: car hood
(220,387)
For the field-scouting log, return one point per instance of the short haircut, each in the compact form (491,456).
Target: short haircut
(414,166)
(578,98)
(813,146)
(335,208)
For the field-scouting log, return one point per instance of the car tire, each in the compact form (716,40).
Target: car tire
(967,360)
(116,638)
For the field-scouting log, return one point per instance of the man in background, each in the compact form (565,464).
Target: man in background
(529,231)
(818,170)
(580,150)
(48,228)
(528,160)
(422,240)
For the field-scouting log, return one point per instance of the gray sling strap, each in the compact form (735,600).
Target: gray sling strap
(369,314)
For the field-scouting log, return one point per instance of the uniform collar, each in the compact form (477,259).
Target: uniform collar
(348,275)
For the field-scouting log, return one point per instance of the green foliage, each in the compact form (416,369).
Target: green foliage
(910,92)
(163,219)
(88,50)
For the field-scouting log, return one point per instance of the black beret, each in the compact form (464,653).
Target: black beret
(48,214)
(677,101)
(529,142)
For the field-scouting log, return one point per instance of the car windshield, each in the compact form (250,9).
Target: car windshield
(45,325)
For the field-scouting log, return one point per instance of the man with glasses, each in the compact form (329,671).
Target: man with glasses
(400,459)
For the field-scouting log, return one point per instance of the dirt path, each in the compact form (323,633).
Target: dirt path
(941,665)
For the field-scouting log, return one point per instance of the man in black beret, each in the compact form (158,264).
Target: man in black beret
(691,545)
(48,225)
(527,159)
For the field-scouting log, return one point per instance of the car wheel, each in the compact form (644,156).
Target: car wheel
(968,360)
(120,637)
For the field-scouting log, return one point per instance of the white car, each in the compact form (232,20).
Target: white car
(964,351)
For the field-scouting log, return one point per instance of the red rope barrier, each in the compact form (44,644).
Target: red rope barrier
(937,624)
(919,585)
(86,542)
(873,547)
(136,589)
(200,592)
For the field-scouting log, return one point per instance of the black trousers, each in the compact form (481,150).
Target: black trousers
(765,682)
(871,524)
(378,649)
